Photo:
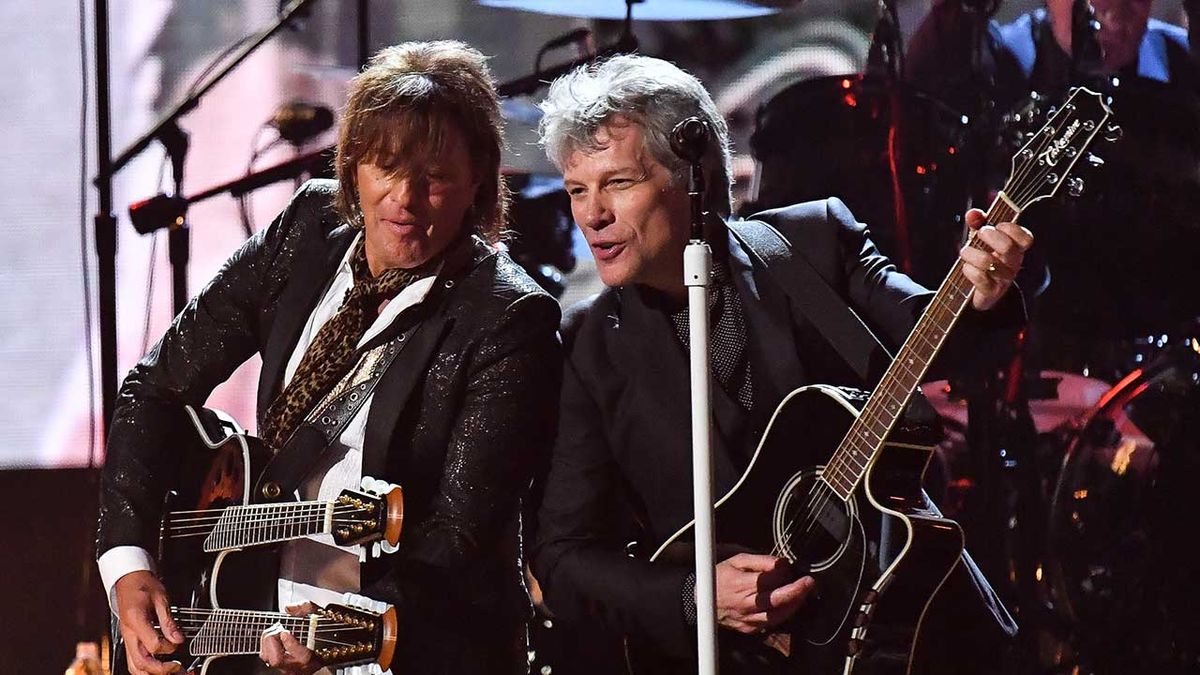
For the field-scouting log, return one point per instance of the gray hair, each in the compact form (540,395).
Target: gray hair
(650,92)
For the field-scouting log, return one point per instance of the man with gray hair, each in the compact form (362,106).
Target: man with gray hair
(623,435)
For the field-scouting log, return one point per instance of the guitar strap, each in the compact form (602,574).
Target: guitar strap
(321,427)
(814,299)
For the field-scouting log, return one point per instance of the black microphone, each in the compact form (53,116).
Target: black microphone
(689,139)
(298,122)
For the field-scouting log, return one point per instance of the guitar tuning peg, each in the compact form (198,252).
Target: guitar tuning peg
(1075,186)
(1094,161)
(1113,133)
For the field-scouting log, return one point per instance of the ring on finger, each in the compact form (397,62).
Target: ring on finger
(991,268)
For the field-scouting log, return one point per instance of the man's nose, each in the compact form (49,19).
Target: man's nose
(405,189)
(593,212)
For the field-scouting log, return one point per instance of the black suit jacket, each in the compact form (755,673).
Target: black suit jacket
(459,420)
(624,416)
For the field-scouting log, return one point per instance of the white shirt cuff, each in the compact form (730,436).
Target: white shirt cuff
(119,561)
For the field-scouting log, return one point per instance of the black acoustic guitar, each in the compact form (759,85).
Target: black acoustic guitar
(834,465)
(213,537)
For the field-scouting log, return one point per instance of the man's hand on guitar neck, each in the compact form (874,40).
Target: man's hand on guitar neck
(992,272)
(141,602)
(281,650)
(755,592)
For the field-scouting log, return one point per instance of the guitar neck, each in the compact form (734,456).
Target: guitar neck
(890,398)
(338,634)
(256,524)
(228,632)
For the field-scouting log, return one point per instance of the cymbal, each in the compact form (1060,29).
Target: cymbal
(647,10)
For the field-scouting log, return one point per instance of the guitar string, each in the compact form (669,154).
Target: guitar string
(290,518)
(244,517)
(318,530)
(200,616)
(1044,138)
(271,508)
(259,528)
(820,498)
(315,519)
(1019,194)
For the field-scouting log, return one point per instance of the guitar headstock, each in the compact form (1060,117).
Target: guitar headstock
(1044,164)
(349,635)
(367,515)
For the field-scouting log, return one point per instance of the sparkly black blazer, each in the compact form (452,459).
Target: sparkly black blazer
(460,419)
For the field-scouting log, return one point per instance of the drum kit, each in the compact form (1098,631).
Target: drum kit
(1082,452)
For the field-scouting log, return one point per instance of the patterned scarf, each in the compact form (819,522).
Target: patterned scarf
(334,350)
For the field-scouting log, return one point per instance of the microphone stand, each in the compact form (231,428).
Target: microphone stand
(627,43)
(105,221)
(104,225)
(697,268)
(161,210)
(179,237)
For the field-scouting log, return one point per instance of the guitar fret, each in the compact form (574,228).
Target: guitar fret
(904,374)
(837,481)
(834,471)
(874,422)
(247,525)
(236,631)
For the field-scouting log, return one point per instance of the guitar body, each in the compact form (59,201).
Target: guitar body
(218,465)
(217,539)
(877,558)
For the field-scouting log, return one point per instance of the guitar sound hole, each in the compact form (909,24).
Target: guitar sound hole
(811,522)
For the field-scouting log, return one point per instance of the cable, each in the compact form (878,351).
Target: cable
(216,61)
(243,200)
(89,348)
(191,88)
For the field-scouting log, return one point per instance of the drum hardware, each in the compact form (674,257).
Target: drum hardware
(1119,567)
(648,10)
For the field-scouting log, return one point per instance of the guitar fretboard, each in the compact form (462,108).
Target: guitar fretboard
(255,524)
(226,632)
(865,437)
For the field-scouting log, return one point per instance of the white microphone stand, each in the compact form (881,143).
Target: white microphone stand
(697,266)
